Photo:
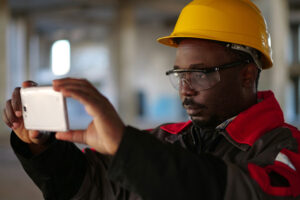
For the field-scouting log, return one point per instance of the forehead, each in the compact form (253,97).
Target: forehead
(204,52)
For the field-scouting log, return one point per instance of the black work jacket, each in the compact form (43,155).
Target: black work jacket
(253,156)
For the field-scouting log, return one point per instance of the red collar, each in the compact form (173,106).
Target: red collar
(250,124)
(259,119)
(176,127)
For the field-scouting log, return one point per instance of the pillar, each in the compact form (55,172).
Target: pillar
(276,13)
(124,60)
(4,21)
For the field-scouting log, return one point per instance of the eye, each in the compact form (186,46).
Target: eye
(200,75)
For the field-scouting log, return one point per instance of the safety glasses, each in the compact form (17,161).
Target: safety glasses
(200,79)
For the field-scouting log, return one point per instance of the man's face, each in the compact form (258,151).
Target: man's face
(212,106)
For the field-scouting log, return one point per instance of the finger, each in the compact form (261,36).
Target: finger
(77,94)
(89,100)
(10,114)
(16,102)
(77,136)
(90,92)
(94,104)
(65,81)
(29,83)
(5,119)
(73,85)
(70,80)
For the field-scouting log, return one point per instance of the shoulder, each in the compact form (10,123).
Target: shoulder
(284,151)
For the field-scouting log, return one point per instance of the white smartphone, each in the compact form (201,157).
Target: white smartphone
(44,109)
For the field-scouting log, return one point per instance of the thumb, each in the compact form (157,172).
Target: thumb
(77,136)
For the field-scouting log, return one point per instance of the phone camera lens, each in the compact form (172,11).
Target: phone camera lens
(24,108)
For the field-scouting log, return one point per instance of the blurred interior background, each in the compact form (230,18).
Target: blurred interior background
(112,43)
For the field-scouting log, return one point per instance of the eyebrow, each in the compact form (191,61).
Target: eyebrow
(194,66)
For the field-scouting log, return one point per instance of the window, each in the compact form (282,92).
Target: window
(61,56)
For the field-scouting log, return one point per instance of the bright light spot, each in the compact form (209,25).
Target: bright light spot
(61,57)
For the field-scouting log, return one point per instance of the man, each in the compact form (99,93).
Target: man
(236,145)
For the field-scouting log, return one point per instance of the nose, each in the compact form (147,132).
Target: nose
(186,88)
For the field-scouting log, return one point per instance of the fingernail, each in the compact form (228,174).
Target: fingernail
(18,113)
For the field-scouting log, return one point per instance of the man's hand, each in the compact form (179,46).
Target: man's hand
(106,130)
(12,116)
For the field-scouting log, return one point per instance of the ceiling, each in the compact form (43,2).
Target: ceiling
(48,16)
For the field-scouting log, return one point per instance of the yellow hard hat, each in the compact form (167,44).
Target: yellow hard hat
(233,21)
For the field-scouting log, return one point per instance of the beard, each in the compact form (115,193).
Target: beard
(211,121)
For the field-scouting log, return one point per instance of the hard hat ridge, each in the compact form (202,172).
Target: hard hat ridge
(230,21)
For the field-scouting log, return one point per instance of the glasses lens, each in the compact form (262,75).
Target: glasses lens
(175,79)
(202,81)
(195,80)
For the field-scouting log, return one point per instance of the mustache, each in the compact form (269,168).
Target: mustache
(191,102)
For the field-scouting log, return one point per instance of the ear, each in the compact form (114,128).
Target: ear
(249,75)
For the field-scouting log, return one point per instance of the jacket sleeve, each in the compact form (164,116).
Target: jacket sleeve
(64,172)
(156,170)
(58,171)
(166,171)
